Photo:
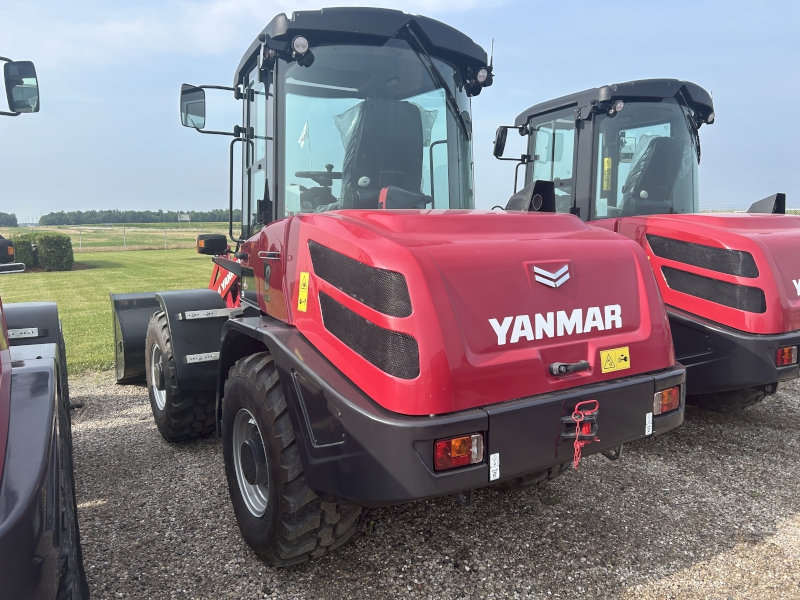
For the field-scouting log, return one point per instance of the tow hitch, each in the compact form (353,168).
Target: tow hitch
(581,427)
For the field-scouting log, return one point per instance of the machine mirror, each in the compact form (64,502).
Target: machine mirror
(193,106)
(500,141)
(22,88)
(213,244)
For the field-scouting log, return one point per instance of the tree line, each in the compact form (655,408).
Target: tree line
(8,220)
(103,217)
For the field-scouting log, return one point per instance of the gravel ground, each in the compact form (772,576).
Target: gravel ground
(708,511)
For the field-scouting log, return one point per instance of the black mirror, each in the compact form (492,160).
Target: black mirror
(193,106)
(500,141)
(775,204)
(22,88)
(539,196)
(214,244)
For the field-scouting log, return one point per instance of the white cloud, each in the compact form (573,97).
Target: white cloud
(209,27)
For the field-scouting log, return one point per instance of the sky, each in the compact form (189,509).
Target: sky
(108,134)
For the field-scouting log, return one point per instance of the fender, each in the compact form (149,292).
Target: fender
(32,323)
(195,319)
(131,312)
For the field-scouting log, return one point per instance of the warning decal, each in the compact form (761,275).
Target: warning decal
(606,174)
(615,359)
(302,297)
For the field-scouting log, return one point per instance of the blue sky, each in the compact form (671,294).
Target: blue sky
(108,134)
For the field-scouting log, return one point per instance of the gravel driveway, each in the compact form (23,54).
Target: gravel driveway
(711,510)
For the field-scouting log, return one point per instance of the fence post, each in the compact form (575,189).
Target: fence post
(165,238)
(124,239)
(80,240)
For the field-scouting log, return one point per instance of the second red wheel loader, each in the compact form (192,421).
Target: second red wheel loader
(373,339)
(625,157)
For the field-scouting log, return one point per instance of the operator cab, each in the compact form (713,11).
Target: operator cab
(635,151)
(352,108)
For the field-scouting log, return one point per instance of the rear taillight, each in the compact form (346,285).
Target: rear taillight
(786,356)
(458,452)
(666,400)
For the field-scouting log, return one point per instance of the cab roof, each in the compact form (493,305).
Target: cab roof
(365,25)
(640,89)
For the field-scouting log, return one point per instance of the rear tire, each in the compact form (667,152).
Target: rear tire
(179,414)
(533,479)
(732,400)
(72,584)
(283,520)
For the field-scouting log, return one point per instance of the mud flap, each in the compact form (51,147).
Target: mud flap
(132,312)
(32,323)
(195,319)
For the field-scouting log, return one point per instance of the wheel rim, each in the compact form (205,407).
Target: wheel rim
(255,496)
(155,360)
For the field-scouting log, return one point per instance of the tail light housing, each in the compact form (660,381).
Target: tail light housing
(786,356)
(666,400)
(458,452)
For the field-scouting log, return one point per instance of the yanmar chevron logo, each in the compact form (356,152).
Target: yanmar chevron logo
(549,279)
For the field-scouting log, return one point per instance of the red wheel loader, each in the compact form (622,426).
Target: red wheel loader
(40,552)
(371,338)
(625,158)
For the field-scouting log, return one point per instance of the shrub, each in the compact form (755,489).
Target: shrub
(23,250)
(54,251)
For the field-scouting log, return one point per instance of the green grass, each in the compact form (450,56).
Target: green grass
(132,236)
(82,296)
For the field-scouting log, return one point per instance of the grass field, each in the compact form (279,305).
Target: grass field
(82,295)
(131,236)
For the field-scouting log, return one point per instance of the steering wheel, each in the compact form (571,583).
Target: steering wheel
(324,178)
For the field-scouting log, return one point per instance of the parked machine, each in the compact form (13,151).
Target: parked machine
(625,158)
(372,339)
(40,553)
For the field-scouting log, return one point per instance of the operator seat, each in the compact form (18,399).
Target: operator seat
(385,149)
(648,189)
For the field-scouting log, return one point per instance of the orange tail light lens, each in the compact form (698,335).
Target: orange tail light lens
(458,452)
(786,356)
(667,400)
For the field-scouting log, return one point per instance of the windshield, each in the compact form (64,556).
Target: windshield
(646,161)
(364,118)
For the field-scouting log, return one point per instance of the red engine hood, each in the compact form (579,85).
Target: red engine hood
(773,241)
(495,299)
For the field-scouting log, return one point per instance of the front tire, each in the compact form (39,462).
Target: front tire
(281,518)
(179,414)
(732,400)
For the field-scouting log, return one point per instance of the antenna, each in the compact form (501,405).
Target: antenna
(491,56)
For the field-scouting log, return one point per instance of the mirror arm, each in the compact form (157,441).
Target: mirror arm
(230,197)
(236,131)
(9,114)
(523,160)
(237,94)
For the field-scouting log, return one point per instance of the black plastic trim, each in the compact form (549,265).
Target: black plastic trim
(722,260)
(719,358)
(42,315)
(131,314)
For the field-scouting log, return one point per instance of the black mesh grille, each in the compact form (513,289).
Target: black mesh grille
(382,290)
(741,297)
(732,262)
(392,352)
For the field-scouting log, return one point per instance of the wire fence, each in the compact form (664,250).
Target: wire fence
(91,238)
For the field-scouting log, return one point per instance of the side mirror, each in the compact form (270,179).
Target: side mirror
(539,196)
(775,204)
(213,244)
(193,106)
(22,87)
(500,141)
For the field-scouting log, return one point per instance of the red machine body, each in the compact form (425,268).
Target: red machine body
(5,386)
(463,361)
(772,241)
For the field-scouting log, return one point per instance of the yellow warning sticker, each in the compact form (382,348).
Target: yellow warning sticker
(302,297)
(616,359)
(606,173)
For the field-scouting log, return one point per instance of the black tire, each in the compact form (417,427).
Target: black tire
(72,584)
(732,400)
(533,479)
(185,414)
(296,524)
